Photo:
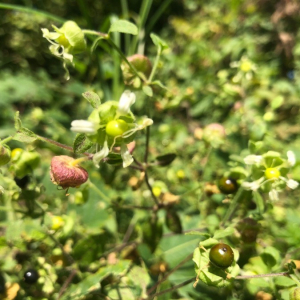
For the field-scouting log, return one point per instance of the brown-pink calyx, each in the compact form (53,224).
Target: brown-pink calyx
(66,172)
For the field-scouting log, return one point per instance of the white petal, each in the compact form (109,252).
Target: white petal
(292,184)
(83,126)
(100,155)
(253,159)
(273,194)
(291,158)
(126,156)
(126,100)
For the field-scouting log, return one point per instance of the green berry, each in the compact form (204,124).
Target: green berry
(272,173)
(116,127)
(227,185)
(221,255)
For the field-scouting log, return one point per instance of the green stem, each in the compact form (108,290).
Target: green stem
(93,32)
(125,12)
(144,11)
(32,11)
(263,275)
(9,208)
(239,196)
(159,51)
(6,140)
(100,193)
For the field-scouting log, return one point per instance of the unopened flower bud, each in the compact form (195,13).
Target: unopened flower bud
(5,154)
(141,63)
(66,172)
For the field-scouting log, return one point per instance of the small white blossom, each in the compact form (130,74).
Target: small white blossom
(126,156)
(254,185)
(292,184)
(291,158)
(83,126)
(253,159)
(101,154)
(126,100)
(273,194)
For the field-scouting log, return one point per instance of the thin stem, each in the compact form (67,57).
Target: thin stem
(63,146)
(93,32)
(150,189)
(136,168)
(159,50)
(168,274)
(175,287)
(6,140)
(100,193)
(125,12)
(32,11)
(67,283)
(133,69)
(263,275)
(147,144)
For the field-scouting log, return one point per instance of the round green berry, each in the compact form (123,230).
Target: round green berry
(116,127)
(272,173)
(221,255)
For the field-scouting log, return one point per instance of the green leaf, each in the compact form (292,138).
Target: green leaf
(166,159)
(284,282)
(124,27)
(148,90)
(25,135)
(81,143)
(219,234)
(92,98)
(270,256)
(158,42)
(18,123)
(114,159)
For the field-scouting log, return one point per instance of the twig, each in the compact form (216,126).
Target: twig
(66,284)
(153,288)
(175,287)
(262,275)
(147,144)
(150,189)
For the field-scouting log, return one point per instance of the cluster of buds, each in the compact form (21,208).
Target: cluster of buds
(110,125)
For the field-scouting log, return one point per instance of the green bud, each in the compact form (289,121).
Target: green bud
(295,294)
(5,154)
(71,37)
(141,63)
(26,163)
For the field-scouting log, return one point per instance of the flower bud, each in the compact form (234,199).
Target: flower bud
(65,172)
(5,154)
(141,63)
(295,294)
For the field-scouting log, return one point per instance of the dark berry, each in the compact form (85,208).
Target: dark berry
(227,185)
(221,255)
(31,276)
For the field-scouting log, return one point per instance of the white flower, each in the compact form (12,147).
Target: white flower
(273,194)
(101,154)
(83,126)
(291,158)
(126,156)
(254,185)
(126,100)
(292,184)
(253,159)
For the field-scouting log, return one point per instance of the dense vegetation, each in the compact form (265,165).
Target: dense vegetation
(220,163)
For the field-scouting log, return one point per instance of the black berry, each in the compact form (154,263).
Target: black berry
(31,276)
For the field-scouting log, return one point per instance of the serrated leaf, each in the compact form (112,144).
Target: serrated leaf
(92,98)
(25,135)
(166,159)
(18,123)
(81,143)
(219,234)
(148,90)
(158,42)
(124,27)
